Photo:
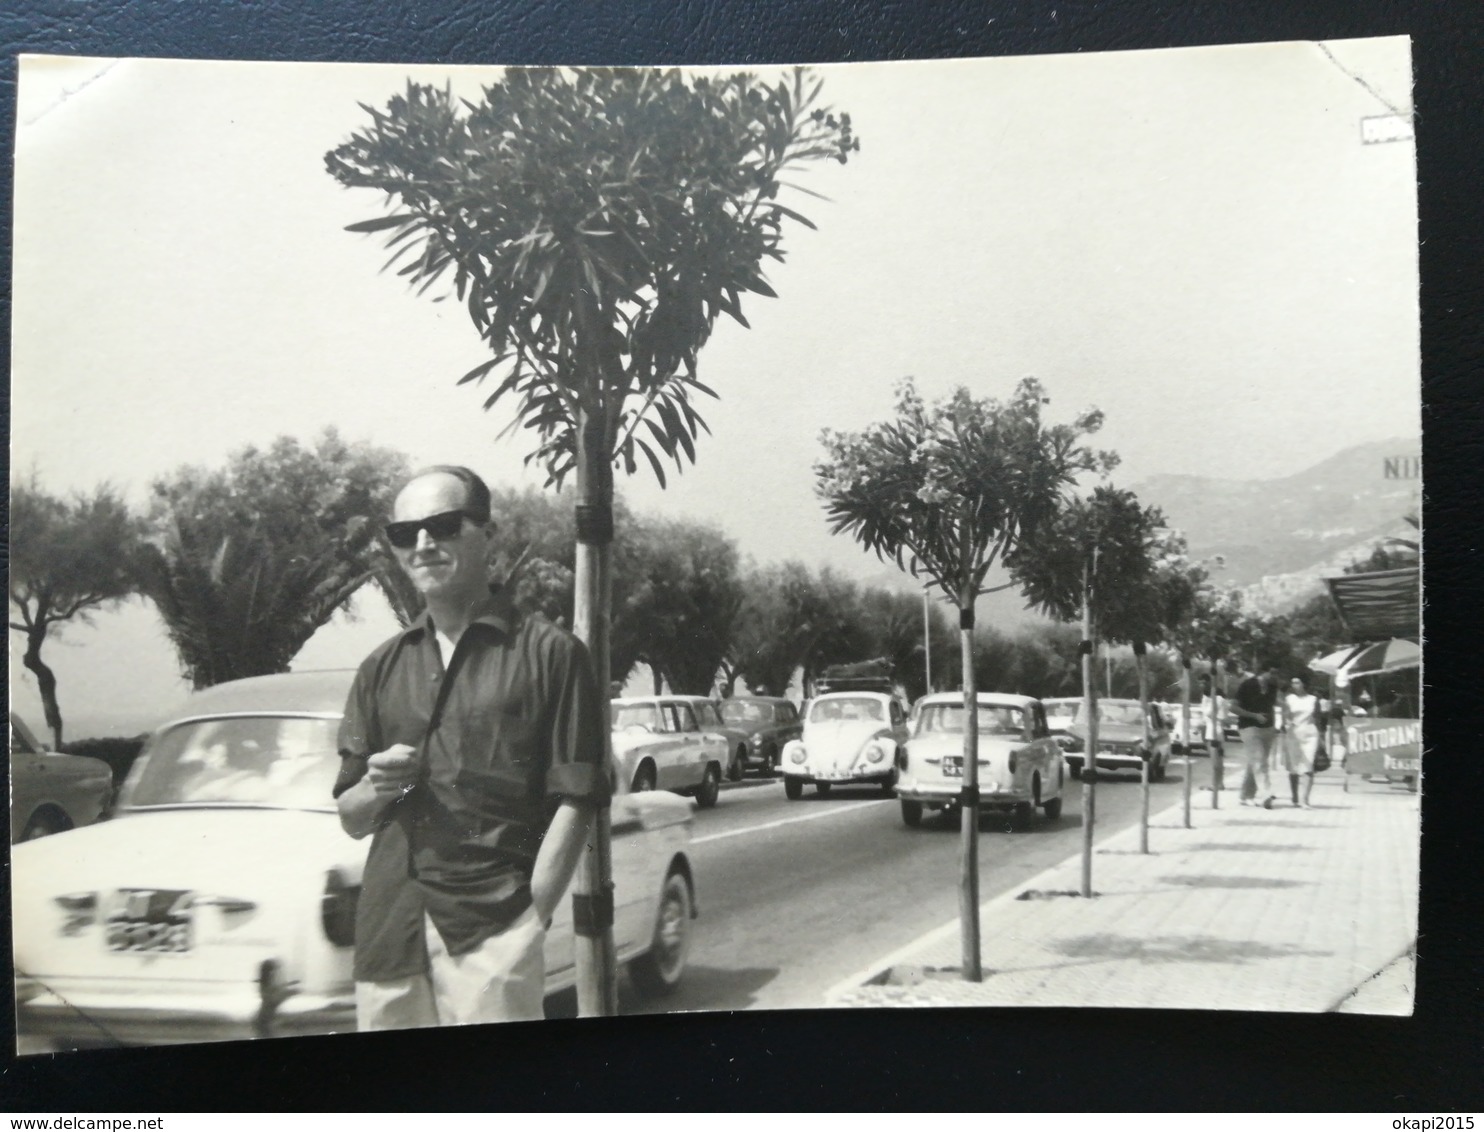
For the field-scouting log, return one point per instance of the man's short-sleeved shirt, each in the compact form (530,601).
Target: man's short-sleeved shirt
(506,731)
(1255,696)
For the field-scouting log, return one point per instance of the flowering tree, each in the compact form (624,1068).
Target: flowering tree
(946,491)
(1094,560)
(595,223)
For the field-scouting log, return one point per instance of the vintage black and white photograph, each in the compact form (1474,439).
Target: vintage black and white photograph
(492,544)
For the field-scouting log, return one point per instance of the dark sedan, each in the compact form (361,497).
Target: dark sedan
(768,723)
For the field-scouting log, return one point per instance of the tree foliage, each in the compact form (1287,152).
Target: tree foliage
(1109,539)
(947,490)
(595,222)
(68,558)
(245,563)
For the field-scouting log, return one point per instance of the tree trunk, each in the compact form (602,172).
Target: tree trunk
(968,889)
(1185,730)
(1142,672)
(1090,713)
(597,969)
(46,681)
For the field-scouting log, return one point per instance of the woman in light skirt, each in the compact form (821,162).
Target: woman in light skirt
(1300,739)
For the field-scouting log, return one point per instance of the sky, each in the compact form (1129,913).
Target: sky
(1196,241)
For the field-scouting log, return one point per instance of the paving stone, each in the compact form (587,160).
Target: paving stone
(1252,909)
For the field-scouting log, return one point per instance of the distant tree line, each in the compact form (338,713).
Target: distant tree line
(246,562)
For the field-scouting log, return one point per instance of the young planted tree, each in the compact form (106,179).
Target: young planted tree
(68,558)
(246,563)
(947,491)
(595,223)
(1091,561)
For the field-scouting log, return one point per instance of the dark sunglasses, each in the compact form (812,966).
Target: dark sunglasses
(441,527)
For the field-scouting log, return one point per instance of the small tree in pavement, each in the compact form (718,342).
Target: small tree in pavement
(595,223)
(947,491)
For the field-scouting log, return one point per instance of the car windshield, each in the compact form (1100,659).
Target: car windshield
(636,715)
(847,709)
(283,762)
(738,711)
(1126,715)
(1060,715)
(950,717)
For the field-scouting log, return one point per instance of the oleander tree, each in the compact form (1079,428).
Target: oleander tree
(69,557)
(595,223)
(947,491)
(1094,561)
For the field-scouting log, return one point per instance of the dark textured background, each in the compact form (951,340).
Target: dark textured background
(1032,1060)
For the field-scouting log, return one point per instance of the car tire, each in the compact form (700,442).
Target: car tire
(1052,808)
(710,788)
(644,779)
(793,789)
(1021,814)
(889,784)
(823,788)
(658,971)
(911,813)
(44,823)
(739,761)
(1074,771)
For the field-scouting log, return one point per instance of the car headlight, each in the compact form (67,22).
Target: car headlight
(796,753)
(876,753)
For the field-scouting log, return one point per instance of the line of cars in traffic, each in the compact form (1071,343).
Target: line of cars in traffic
(220,901)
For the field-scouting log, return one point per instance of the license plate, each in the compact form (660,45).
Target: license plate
(147,920)
(953,766)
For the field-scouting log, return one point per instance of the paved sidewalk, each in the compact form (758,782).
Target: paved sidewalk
(1253,909)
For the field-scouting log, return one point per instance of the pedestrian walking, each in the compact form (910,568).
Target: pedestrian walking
(1256,709)
(471,752)
(1300,739)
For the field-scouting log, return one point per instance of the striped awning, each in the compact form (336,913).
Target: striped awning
(1379,605)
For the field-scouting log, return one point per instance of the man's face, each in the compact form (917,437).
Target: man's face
(1271,678)
(455,567)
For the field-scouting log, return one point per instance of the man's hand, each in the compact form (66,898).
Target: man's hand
(393,772)
(390,774)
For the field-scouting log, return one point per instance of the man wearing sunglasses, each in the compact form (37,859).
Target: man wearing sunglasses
(472,755)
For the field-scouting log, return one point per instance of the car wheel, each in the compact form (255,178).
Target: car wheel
(710,788)
(658,971)
(739,759)
(1021,815)
(643,779)
(1052,808)
(911,813)
(1074,770)
(793,789)
(889,784)
(823,788)
(44,823)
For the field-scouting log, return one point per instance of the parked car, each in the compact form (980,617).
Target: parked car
(659,744)
(714,725)
(1061,714)
(1121,739)
(1174,718)
(848,737)
(220,901)
(51,792)
(1021,766)
(769,722)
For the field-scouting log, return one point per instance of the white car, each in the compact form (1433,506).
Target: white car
(849,737)
(659,744)
(220,901)
(1021,766)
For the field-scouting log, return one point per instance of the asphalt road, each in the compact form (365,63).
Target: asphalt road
(796,896)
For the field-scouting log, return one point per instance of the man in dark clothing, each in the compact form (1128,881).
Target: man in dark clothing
(472,753)
(1256,709)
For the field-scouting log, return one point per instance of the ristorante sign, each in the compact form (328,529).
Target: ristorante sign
(1383,746)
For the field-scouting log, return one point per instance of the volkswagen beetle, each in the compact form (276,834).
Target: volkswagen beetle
(849,737)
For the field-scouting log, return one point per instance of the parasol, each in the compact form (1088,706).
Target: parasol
(1334,663)
(1383,656)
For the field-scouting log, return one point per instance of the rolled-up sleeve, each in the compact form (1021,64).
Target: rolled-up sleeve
(577,770)
(355,741)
